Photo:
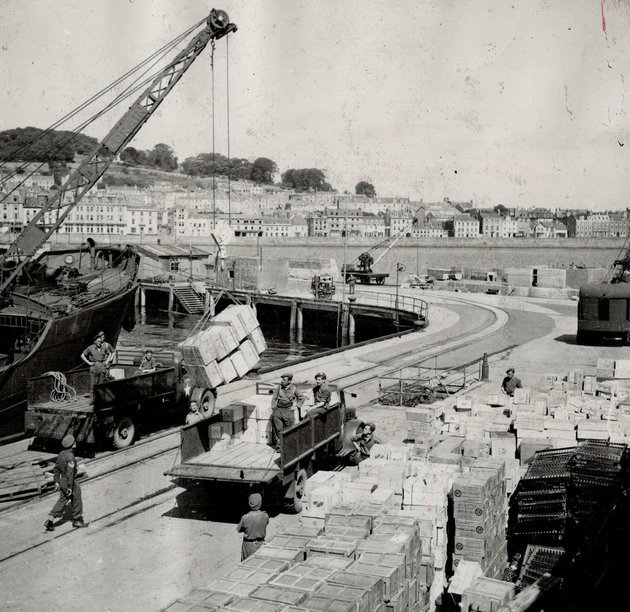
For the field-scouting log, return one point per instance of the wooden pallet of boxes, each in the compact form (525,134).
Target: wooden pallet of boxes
(227,349)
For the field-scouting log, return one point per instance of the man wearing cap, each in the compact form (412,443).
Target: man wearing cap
(510,382)
(284,396)
(98,356)
(253,526)
(321,395)
(65,473)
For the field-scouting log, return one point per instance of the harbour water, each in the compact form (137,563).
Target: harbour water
(154,331)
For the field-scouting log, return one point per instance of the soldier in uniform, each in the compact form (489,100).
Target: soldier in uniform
(65,473)
(510,382)
(284,397)
(98,356)
(194,415)
(253,526)
(321,395)
(147,364)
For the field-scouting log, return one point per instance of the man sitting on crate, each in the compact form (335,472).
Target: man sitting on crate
(283,399)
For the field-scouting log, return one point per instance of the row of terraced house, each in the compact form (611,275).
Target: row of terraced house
(164,211)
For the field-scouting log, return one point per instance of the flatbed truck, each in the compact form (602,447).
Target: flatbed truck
(115,412)
(305,446)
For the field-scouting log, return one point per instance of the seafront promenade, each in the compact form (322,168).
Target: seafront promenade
(136,522)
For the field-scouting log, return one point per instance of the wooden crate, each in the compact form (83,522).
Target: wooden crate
(271,592)
(373,584)
(487,595)
(392,576)
(333,545)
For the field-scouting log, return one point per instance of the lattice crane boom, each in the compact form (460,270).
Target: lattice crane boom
(92,168)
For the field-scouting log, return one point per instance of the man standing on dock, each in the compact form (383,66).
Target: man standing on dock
(98,356)
(65,473)
(284,397)
(253,526)
(510,382)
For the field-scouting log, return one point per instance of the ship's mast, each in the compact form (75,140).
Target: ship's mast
(92,168)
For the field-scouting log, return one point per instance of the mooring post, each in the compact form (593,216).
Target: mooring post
(351,322)
(293,317)
(345,320)
(171,298)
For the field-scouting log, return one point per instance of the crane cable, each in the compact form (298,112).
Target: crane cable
(214,159)
(62,391)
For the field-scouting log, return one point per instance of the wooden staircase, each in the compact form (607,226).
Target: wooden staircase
(190,300)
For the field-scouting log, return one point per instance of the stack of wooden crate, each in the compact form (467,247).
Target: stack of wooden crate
(227,349)
(424,423)
(479,509)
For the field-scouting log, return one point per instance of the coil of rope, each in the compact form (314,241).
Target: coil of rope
(62,391)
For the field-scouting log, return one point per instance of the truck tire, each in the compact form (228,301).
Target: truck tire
(124,432)
(207,403)
(294,503)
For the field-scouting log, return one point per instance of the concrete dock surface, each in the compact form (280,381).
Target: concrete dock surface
(143,550)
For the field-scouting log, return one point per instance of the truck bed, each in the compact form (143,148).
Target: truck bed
(82,403)
(245,462)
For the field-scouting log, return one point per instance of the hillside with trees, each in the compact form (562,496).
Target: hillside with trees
(32,144)
(59,148)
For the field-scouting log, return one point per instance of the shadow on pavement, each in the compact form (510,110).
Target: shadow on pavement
(218,503)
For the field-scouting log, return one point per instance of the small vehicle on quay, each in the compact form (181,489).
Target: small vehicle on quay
(113,413)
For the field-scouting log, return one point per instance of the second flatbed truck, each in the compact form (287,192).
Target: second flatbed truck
(251,461)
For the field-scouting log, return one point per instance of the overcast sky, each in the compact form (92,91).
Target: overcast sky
(520,103)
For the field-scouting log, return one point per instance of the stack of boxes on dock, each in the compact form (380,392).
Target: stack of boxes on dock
(227,349)
(392,533)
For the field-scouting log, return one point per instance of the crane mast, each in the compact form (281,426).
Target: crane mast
(92,168)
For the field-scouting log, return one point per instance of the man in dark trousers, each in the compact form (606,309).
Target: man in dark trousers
(321,395)
(284,397)
(65,473)
(510,382)
(98,356)
(253,526)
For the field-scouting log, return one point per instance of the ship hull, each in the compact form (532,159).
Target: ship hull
(59,349)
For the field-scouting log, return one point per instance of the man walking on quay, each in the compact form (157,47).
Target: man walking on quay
(284,396)
(510,382)
(65,473)
(253,526)
(98,356)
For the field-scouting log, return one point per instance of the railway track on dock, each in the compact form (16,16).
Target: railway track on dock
(144,487)
(108,463)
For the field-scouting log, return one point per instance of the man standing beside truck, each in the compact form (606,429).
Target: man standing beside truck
(284,397)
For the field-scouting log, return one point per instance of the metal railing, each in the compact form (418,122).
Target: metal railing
(422,384)
(391,300)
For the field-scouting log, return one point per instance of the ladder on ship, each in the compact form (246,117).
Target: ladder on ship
(190,300)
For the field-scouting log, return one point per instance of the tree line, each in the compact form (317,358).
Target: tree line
(60,147)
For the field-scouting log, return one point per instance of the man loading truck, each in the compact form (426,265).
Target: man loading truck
(285,395)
